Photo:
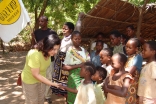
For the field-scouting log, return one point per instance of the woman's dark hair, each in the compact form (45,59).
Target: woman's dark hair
(116,33)
(75,33)
(122,58)
(70,25)
(47,44)
(131,27)
(102,72)
(136,40)
(89,67)
(109,51)
(152,45)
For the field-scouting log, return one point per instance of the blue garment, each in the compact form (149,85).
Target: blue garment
(138,62)
(95,59)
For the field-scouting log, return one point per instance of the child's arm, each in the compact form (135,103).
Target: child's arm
(123,91)
(68,89)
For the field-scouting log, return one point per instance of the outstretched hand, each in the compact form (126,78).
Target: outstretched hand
(62,87)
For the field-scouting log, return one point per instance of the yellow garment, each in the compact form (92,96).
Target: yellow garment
(99,94)
(147,81)
(34,59)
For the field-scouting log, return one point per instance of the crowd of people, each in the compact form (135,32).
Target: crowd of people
(105,75)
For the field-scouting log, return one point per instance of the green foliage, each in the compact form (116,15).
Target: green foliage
(60,11)
(139,2)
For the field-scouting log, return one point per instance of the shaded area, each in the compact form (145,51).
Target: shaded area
(10,65)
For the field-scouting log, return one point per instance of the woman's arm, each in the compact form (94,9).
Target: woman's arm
(71,67)
(38,76)
(123,91)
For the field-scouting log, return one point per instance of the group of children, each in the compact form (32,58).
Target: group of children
(118,79)
(122,84)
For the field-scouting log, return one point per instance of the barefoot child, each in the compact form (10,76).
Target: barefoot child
(85,91)
(99,76)
(118,82)
(147,80)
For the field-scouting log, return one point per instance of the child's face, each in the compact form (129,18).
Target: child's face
(99,37)
(96,76)
(130,32)
(115,62)
(76,39)
(131,47)
(147,52)
(104,58)
(82,72)
(99,47)
(114,40)
(66,31)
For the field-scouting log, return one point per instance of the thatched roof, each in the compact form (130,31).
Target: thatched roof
(109,15)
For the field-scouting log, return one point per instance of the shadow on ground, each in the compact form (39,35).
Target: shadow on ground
(11,64)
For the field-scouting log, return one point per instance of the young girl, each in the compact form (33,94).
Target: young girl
(118,82)
(147,81)
(59,75)
(98,77)
(85,91)
(133,66)
(105,58)
(75,56)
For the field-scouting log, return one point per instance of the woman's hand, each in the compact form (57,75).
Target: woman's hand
(56,85)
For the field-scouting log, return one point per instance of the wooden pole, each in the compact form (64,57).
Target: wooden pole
(141,11)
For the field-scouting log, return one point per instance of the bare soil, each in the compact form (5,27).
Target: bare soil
(11,64)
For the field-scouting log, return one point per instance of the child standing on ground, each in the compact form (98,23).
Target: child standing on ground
(147,80)
(118,82)
(75,57)
(85,91)
(99,76)
(105,58)
(133,66)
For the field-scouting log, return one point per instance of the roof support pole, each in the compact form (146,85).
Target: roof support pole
(141,11)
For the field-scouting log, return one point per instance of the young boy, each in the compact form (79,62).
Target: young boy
(94,56)
(98,77)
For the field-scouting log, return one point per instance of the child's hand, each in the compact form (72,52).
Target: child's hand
(62,87)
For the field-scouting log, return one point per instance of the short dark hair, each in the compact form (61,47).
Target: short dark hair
(47,44)
(99,41)
(70,25)
(102,72)
(131,27)
(89,67)
(44,17)
(152,45)
(116,33)
(122,57)
(109,51)
(75,33)
(99,33)
(136,41)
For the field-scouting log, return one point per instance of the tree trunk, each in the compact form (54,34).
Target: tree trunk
(2,45)
(141,10)
(41,14)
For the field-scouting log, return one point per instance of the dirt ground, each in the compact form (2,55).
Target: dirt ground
(10,65)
